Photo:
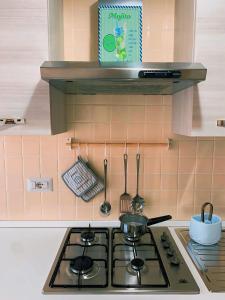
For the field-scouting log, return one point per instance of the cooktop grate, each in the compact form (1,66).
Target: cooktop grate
(149,274)
(83,262)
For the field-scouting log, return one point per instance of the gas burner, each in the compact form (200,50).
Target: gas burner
(87,236)
(91,274)
(137,264)
(81,265)
(95,270)
(131,239)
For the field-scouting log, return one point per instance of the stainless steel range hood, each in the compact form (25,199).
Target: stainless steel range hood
(120,78)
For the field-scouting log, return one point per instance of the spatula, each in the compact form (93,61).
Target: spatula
(125,198)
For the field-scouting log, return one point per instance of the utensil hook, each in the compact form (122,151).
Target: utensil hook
(138,170)
(203,211)
(105,177)
(78,150)
(125,158)
(105,151)
(138,148)
(138,165)
(87,152)
(125,148)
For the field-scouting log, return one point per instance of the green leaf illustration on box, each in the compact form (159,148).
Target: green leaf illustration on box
(120,34)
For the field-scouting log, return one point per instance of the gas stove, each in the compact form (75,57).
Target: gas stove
(102,260)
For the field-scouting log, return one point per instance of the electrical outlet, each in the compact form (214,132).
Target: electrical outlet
(12,121)
(39,184)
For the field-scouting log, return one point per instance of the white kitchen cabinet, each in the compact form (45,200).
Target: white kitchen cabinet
(26,35)
(200,37)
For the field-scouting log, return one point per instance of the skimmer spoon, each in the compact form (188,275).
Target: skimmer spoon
(138,201)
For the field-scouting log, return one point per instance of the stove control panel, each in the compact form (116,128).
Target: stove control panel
(172,259)
(171,253)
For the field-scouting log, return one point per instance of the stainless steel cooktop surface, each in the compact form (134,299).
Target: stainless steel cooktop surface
(209,260)
(102,260)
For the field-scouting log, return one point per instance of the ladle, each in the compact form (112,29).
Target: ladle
(105,207)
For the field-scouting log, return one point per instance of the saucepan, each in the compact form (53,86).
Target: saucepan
(135,225)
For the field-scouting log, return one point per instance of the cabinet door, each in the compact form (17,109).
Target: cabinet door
(196,110)
(23,47)
(209,96)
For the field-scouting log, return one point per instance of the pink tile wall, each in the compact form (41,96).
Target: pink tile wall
(175,181)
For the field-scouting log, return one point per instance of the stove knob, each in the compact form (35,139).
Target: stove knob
(164,237)
(170,252)
(175,261)
(183,280)
(166,245)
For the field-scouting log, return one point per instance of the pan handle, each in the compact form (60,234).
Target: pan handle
(156,220)
(203,211)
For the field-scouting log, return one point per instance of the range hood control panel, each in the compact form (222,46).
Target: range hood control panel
(159,74)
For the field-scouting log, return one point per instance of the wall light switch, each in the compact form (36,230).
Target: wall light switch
(39,184)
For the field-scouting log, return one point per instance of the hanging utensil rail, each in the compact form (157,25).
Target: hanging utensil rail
(74,144)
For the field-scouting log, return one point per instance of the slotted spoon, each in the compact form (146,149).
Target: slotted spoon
(138,201)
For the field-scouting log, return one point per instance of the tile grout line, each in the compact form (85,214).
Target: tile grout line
(195,177)
(24,198)
(6,185)
(161,188)
(177,195)
(74,157)
(213,169)
(58,192)
(39,150)
(40,173)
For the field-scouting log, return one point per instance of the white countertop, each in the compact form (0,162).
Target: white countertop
(28,249)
